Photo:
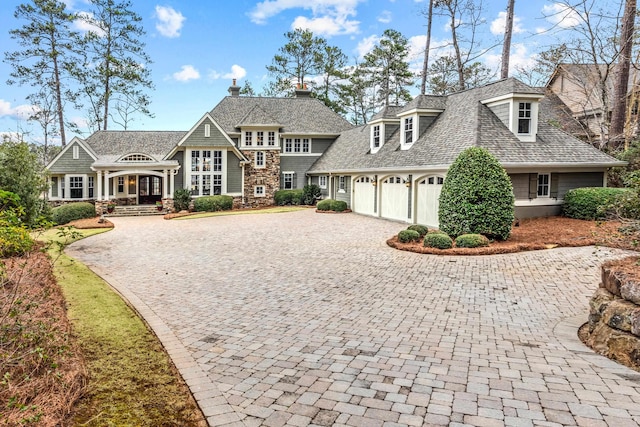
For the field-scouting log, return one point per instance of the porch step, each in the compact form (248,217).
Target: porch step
(135,210)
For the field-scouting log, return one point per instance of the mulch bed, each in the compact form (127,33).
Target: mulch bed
(90,223)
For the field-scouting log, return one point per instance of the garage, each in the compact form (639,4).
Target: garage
(364,196)
(427,197)
(394,198)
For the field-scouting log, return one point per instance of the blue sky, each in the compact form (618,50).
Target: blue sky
(198,47)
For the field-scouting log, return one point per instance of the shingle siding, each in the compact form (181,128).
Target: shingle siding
(198,138)
(502,111)
(319,146)
(298,164)
(179,178)
(234,173)
(67,164)
(569,181)
(346,195)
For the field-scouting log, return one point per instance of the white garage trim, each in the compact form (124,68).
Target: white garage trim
(427,198)
(394,198)
(364,195)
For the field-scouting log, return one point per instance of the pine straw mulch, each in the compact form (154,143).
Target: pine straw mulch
(42,371)
(90,223)
(541,233)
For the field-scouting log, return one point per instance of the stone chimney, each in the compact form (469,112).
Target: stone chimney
(234,89)
(302,92)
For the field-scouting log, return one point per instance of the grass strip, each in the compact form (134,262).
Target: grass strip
(131,379)
(278,209)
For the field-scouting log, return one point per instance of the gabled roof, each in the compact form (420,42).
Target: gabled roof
(465,122)
(111,145)
(293,115)
(75,140)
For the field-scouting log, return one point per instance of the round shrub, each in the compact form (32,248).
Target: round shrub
(438,240)
(14,241)
(477,196)
(324,205)
(421,229)
(181,199)
(407,236)
(288,197)
(213,203)
(590,202)
(310,194)
(338,205)
(471,241)
(72,211)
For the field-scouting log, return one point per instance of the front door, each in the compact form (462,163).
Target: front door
(149,189)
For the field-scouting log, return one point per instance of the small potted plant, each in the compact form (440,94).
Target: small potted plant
(110,207)
(159,206)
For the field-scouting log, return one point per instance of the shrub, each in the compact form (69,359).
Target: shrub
(310,194)
(406,236)
(626,205)
(338,205)
(14,241)
(324,205)
(471,241)
(421,229)
(67,213)
(477,196)
(181,199)
(288,197)
(438,240)
(213,203)
(590,202)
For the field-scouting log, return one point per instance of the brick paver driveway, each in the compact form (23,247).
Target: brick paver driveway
(301,318)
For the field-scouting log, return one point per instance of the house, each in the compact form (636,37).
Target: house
(588,92)
(393,167)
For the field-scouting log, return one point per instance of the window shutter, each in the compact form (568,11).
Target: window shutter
(553,185)
(533,185)
(294,182)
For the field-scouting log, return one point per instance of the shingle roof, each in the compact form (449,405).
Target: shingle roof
(110,145)
(257,116)
(465,122)
(294,115)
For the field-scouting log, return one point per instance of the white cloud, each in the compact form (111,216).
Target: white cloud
(329,17)
(498,25)
(561,15)
(366,45)
(237,72)
(85,24)
(169,21)
(22,112)
(520,58)
(186,73)
(5,108)
(385,17)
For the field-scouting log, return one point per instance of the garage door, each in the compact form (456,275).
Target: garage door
(394,199)
(364,196)
(427,198)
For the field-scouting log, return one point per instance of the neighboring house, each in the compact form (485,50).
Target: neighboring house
(394,167)
(588,92)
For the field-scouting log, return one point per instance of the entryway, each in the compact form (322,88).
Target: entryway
(149,189)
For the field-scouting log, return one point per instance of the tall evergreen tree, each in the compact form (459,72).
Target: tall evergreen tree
(46,53)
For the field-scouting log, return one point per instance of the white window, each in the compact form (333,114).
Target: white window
(205,172)
(322,181)
(271,139)
(259,138)
(297,145)
(524,117)
(207,130)
(75,187)
(121,184)
(408,130)
(544,181)
(342,184)
(248,139)
(258,191)
(376,137)
(76,152)
(259,159)
(287,180)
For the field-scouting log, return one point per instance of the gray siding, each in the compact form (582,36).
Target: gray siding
(67,164)
(346,196)
(390,129)
(569,181)
(234,173)
(319,146)
(298,164)
(425,122)
(520,182)
(523,212)
(502,111)
(324,192)
(197,138)
(179,178)
(54,186)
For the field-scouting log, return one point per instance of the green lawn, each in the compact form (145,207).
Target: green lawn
(277,209)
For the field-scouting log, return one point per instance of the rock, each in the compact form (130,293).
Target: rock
(619,314)
(617,345)
(630,291)
(612,281)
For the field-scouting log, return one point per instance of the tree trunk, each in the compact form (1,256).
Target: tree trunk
(425,64)
(506,47)
(616,132)
(56,82)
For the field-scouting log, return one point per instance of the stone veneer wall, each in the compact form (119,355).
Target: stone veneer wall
(614,319)
(269,176)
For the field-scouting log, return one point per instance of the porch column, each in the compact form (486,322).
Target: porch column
(106,185)
(172,182)
(98,185)
(165,184)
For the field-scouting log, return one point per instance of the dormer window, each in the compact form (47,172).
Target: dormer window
(376,136)
(524,118)
(408,130)
(248,138)
(260,138)
(271,139)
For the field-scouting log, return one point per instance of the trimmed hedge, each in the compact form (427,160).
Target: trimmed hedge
(406,236)
(421,229)
(72,211)
(477,196)
(331,205)
(590,202)
(438,240)
(288,197)
(471,241)
(213,203)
